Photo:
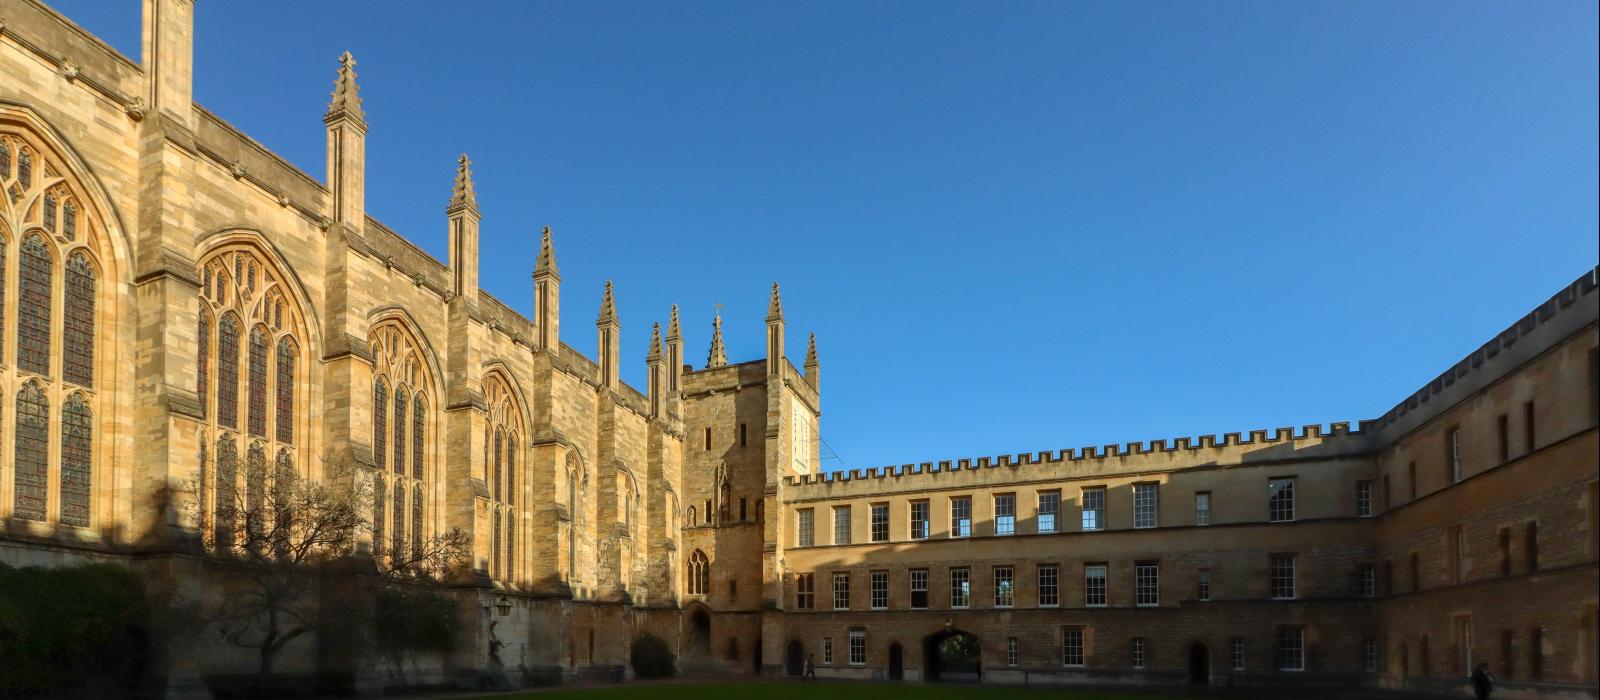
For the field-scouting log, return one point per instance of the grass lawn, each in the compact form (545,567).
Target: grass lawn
(831,691)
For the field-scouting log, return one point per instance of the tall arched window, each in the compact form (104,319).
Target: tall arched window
(494,546)
(400,380)
(285,379)
(257,417)
(502,445)
(77,339)
(572,525)
(380,424)
(33,306)
(699,571)
(2,271)
(239,291)
(228,372)
(401,402)
(496,482)
(202,479)
(227,491)
(77,429)
(380,493)
(32,458)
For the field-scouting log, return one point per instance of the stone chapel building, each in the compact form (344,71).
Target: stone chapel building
(179,305)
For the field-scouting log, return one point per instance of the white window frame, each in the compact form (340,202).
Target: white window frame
(841,587)
(960,583)
(1280,500)
(1005,514)
(1094,585)
(1072,647)
(841,525)
(805,527)
(858,647)
(1052,585)
(919,508)
(878,525)
(918,577)
(1138,652)
(1291,649)
(827,650)
(1202,508)
(1455,455)
(1146,506)
(1093,500)
(1236,651)
(1369,580)
(1147,584)
(1049,512)
(1013,652)
(1364,498)
(1005,592)
(960,516)
(1284,585)
(1203,585)
(880,590)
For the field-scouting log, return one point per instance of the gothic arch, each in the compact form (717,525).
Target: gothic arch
(64,268)
(505,474)
(407,429)
(212,243)
(402,318)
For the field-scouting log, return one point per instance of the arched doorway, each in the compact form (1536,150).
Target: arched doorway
(794,658)
(1199,665)
(699,638)
(897,662)
(952,656)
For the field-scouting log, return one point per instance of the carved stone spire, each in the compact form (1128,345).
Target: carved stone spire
(463,194)
(719,355)
(655,344)
(346,95)
(608,307)
(547,256)
(673,333)
(811,350)
(674,354)
(812,367)
(775,306)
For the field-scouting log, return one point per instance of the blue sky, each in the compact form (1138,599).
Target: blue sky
(1013,226)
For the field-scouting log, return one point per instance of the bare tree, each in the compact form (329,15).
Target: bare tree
(292,538)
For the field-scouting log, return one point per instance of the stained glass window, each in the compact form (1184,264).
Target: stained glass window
(77,339)
(50,211)
(202,482)
(258,382)
(33,307)
(417,409)
(228,371)
(511,469)
(401,400)
(283,477)
(24,168)
(380,426)
(5,161)
(69,221)
(227,490)
(416,521)
(499,462)
(285,390)
(203,360)
(511,545)
(399,517)
(76,453)
(379,493)
(255,490)
(32,452)
(2,275)
(494,547)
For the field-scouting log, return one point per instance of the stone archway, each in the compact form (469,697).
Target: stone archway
(952,656)
(896,662)
(698,646)
(794,658)
(1199,664)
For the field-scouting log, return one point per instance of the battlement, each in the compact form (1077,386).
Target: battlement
(1310,441)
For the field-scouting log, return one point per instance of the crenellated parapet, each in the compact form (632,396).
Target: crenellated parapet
(1332,441)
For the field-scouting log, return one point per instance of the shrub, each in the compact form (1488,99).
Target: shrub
(70,631)
(652,658)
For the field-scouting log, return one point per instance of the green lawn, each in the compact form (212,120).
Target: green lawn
(829,691)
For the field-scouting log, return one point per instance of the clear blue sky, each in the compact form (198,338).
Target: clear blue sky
(1013,226)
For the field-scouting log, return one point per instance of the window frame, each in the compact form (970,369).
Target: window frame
(1005,584)
(1052,496)
(1092,502)
(960,587)
(960,525)
(1005,514)
(1202,508)
(1146,506)
(1096,584)
(1147,584)
(1280,507)
(1284,576)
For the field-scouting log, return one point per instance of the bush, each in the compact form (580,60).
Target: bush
(652,658)
(71,631)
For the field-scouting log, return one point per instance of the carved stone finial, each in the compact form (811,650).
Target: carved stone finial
(655,344)
(673,334)
(811,351)
(608,307)
(775,305)
(719,355)
(346,94)
(547,256)
(464,194)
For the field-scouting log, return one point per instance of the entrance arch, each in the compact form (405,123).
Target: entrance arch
(897,662)
(1199,664)
(794,658)
(699,637)
(952,656)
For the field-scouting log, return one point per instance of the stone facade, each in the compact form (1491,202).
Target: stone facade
(209,306)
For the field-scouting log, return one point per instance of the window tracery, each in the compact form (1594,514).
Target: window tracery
(400,437)
(502,445)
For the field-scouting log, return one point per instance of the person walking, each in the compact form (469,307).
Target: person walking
(1483,681)
(810,670)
